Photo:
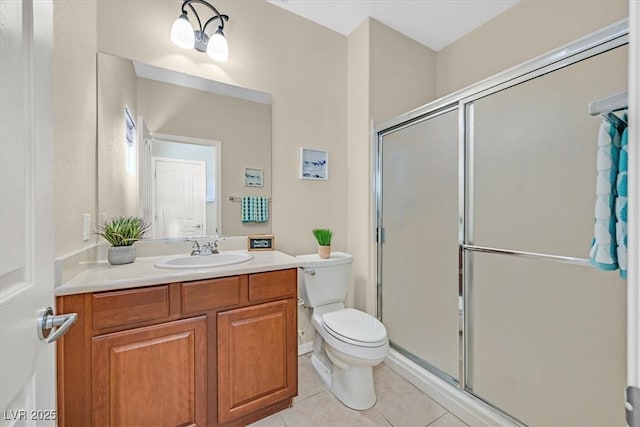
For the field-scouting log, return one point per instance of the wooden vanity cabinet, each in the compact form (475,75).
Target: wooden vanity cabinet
(254,356)
(151,375)
(216,352)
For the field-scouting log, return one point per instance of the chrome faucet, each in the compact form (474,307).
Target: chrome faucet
(195,248)
(210,248)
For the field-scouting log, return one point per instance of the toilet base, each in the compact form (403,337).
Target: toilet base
(322,370)
(352,385)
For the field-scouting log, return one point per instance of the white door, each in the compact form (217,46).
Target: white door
(27,369)
(180,197)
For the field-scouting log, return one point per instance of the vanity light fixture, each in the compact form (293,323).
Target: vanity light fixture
(184,36)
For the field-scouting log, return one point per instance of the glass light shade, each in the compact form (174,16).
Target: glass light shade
(182,33)
(218,48)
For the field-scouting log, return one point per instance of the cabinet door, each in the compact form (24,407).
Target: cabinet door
(257,358)
(154,375)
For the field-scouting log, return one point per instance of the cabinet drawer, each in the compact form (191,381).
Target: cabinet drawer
(130,306)
(274,284)
(209,294)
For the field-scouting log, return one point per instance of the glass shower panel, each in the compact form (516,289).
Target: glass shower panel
(546,340)
(420,251)
(534,153)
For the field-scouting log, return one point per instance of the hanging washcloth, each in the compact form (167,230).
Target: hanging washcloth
(621,204)
(255,209)
(603,252)
(262,209)
(248,209)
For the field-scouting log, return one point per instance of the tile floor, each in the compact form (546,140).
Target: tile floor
(399,404)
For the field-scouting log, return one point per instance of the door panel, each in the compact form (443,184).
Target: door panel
(27,372)
(535,149)
(547,340)
(180,198)
(154,375)
(420,250)
(257,358)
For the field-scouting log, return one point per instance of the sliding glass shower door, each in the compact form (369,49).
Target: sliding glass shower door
(546,330)
(485,208)
(420,253)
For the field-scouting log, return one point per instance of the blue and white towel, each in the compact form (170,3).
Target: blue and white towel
(621,204)
(255,209)
(604,252)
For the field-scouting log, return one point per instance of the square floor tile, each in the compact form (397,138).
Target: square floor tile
(324,410)
(402,404)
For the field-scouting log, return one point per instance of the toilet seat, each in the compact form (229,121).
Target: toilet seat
(355,327)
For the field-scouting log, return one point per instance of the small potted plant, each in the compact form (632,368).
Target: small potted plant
(323,236)
(122,232)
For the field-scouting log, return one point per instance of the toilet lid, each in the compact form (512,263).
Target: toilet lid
(354,325)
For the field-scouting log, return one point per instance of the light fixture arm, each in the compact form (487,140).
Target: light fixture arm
(217,15)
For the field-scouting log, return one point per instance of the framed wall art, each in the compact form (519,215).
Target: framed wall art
(314,164)
(253,177)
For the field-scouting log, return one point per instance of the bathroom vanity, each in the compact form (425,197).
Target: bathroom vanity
(178,347)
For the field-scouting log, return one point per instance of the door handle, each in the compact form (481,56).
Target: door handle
(197,226)
(48,321)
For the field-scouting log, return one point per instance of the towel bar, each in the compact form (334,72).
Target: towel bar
(239,199)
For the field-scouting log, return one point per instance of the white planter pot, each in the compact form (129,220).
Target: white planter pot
(121,255)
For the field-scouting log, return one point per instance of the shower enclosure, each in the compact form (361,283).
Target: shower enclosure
(485,210)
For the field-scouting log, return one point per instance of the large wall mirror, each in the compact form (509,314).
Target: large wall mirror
(181,151)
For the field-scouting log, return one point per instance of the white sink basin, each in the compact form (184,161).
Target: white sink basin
(204,261)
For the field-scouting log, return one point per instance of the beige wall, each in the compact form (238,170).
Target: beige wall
(389,74)
(402,73)
(358,148)
(525,31)
(74,105)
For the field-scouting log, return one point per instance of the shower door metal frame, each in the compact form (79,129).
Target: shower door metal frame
(601,41)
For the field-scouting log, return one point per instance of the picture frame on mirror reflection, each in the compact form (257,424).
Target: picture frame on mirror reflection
(253,177)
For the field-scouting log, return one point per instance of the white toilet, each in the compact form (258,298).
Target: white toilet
(348,342)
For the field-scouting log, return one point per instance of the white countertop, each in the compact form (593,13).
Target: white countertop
(143,272)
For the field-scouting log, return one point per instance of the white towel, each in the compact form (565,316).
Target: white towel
(603,252)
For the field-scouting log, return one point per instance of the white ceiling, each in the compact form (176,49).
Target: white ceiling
(434,23)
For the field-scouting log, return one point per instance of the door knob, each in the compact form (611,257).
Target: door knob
(48,321)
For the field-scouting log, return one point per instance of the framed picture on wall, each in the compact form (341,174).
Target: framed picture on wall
(314,164)
(253,177)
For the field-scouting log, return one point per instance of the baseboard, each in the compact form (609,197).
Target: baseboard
(461,404)
(305,348)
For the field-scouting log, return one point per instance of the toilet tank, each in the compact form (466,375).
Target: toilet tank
(324,281)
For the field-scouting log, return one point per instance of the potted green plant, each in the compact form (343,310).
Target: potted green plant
(122,232)
(323,236)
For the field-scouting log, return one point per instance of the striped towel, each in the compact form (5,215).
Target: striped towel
(621,204)
(603,253)
(255,209)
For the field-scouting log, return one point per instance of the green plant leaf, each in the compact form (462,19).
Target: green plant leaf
(123,231)
(323,236)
